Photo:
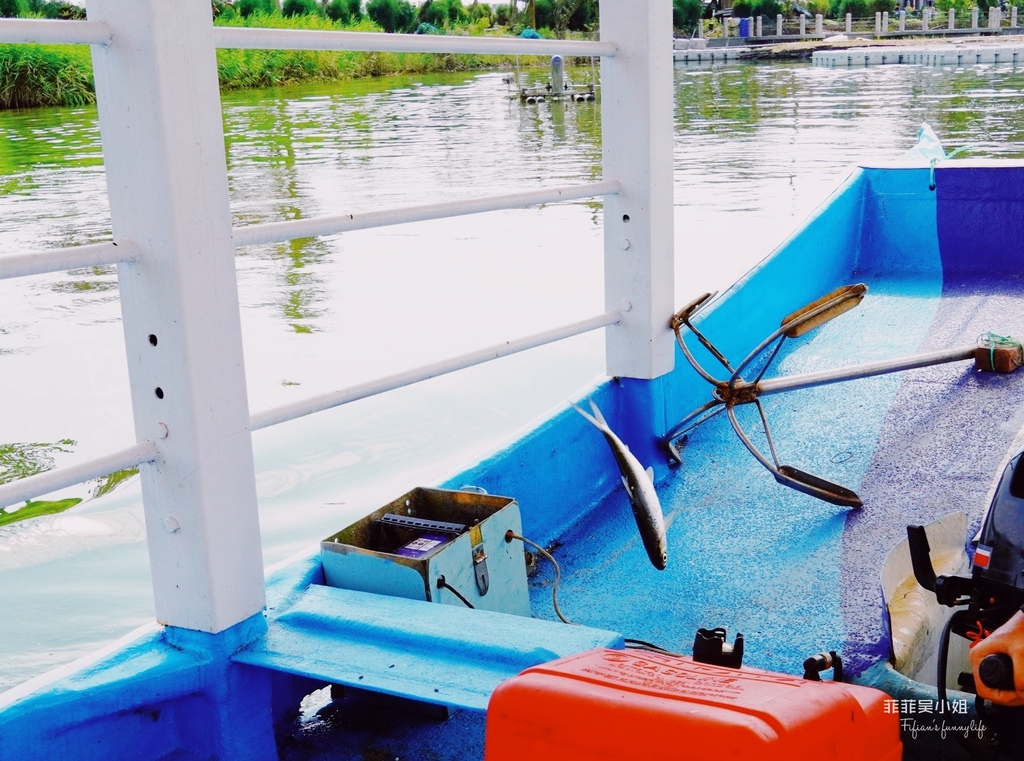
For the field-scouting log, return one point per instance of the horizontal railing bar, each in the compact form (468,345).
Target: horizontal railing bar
(53,31)
(27,488)
(61,259)
(277,232)
(309,39)
(389,383)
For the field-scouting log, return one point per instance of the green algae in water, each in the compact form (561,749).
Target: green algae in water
(21,460)
(37,508)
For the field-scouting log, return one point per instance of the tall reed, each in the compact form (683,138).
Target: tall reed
(45,75)
(61,75)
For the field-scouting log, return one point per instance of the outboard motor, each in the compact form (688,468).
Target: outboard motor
(993,593)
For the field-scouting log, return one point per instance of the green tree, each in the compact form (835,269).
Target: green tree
(769,8)
(343,11)
(299,8)
(442,13)
(391,15)
(503,15)
(13,8)
(686,13)
(246,8)
(544,14)
(856,8)
(962,7)
(478,10)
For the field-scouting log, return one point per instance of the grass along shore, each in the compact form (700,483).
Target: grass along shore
(61,75)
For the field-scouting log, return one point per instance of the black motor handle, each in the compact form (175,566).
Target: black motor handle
(996,671)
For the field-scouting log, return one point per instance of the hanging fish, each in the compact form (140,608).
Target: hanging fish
(640,487)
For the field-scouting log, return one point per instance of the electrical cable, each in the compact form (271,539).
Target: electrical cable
(639,644)
(509,536)
(943,655)
(442,584)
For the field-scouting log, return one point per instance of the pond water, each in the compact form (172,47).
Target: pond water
(758,147)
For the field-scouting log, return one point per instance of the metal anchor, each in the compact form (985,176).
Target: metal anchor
(728,394)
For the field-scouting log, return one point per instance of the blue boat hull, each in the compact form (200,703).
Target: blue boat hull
(795,575)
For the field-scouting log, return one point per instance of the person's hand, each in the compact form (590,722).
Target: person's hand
(1009,639)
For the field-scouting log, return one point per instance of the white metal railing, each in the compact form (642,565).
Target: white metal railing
(63,259)
(153,62)
(99,254)
(60,478)
(308,39)
(276,232)
(443,367)
(46,32)
(52,480)
(86,32)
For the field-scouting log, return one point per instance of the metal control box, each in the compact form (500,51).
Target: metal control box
(436,545)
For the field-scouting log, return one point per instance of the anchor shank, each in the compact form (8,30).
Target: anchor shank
(865,370)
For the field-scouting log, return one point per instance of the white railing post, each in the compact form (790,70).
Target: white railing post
(885,22)
(1013,16)
(951,24)
(878,22)
(803,25)
(926,14)
(849,23)
(636,117)
(818,21)
(778,25)
(974,17)
(163,149)
(759,26)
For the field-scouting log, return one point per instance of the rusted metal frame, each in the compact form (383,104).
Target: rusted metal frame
(685,423)
(681,318)
(787,328)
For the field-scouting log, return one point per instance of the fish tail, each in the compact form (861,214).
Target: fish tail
(598,415)
(598,421)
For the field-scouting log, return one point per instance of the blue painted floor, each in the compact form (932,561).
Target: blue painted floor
(795,575)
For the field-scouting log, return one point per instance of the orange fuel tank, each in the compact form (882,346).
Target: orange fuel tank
(627,705)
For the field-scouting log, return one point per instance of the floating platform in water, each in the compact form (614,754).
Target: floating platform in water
(937,55)
(576,94)
(558,87)
(710,55)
